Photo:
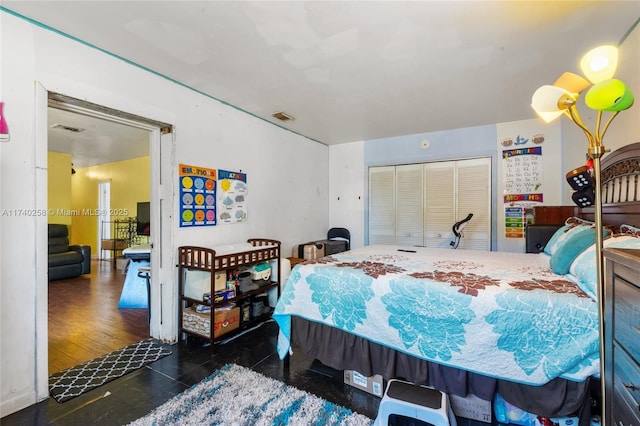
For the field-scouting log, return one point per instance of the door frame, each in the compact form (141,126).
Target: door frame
(161,160)
(104,206)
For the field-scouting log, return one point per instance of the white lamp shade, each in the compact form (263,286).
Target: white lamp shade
(548,117)
(546,98)
(600,64)
(546,102)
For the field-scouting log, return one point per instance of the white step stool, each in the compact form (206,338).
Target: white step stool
(404,399)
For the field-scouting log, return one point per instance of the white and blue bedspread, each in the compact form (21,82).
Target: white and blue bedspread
(504,315)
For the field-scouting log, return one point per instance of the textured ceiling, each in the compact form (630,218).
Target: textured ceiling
(350,71)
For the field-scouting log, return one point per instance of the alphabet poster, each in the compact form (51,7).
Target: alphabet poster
(232,197)
(197,196)
(522,176)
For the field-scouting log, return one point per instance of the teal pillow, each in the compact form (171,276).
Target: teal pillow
(584,267)
(572,245)
(571,232)
(552,244)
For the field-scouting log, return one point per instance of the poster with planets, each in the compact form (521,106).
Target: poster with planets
(232,197)
(197,196)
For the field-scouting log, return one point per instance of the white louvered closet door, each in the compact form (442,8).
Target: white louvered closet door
(418,204)
(440,203)
(382,207)
(474,196)
(409,205)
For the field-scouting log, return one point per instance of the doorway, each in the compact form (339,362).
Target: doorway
(104,205)
(98,141)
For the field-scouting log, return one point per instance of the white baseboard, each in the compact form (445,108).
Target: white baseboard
(17,403)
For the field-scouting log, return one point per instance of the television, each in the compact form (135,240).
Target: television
(143,218)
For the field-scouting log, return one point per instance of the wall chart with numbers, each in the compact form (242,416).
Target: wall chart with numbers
(197,196)
(232,197)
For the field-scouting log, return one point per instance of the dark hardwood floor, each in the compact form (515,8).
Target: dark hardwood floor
(84,319)
(135,394)
(85,323)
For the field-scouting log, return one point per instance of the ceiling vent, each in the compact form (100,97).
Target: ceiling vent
(282,116)
(67,128)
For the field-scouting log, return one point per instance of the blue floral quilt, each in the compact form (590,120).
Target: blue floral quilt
(504,315)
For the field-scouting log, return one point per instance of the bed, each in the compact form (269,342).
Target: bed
(466,321)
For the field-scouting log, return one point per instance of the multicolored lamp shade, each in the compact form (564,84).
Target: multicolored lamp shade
(606,93)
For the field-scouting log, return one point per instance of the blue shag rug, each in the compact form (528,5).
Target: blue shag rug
(134,291)
(236,395)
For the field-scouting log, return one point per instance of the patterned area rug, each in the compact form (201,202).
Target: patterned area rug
(236,395)
(77,380)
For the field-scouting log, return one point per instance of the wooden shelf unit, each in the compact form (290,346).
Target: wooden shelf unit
(205,259)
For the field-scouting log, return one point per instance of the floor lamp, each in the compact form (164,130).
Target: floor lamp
(605,94)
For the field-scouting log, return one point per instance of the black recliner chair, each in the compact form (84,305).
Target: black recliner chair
(66,261)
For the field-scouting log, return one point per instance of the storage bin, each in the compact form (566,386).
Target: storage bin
(224,322)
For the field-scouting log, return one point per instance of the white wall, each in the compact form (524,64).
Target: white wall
(288,197)
(625,128)
(347,189)
(552,175)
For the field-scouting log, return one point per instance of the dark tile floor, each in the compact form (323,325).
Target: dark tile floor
(136,394)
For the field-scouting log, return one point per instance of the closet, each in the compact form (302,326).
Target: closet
(417,204)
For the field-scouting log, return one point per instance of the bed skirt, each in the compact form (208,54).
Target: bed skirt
(343,351)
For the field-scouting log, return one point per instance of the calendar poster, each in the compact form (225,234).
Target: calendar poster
(197,196)
(232,197)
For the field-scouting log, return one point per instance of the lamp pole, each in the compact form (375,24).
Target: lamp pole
(595,152)
(606,94)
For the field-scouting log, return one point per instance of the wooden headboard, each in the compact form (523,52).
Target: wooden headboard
(620,188)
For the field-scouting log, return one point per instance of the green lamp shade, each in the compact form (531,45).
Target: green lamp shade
(609,95)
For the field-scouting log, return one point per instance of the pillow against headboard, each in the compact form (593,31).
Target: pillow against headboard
(584,267)
(630,230)
(552,244)
(570,246)
(572,224)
